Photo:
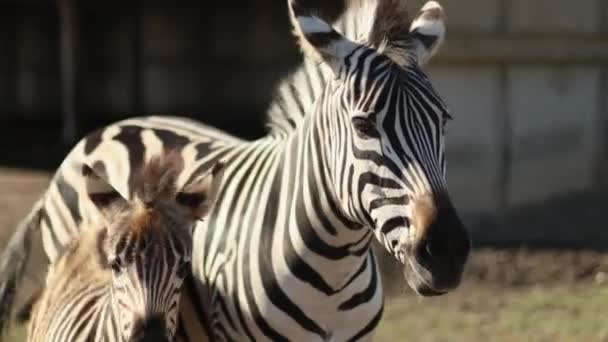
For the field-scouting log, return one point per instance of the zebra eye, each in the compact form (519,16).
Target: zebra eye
(365,126)
(184,268)
(116,264)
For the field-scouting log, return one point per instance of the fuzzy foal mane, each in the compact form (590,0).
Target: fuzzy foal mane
(158,178)
(156,183)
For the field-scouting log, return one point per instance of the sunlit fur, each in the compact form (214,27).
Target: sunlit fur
(355,151)
(121,278)
(378,171)
(391,121)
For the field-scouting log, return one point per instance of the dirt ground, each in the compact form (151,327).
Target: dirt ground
(18,191)
(508,294)
(522,267)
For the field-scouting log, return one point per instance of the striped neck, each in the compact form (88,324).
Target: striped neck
(322,238)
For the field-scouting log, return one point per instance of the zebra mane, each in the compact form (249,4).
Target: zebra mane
(159,177)
(157,183)
(154,183)
(364,21)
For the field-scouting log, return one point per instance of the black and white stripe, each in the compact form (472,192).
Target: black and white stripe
(84,301)
(120,278)
(356,151)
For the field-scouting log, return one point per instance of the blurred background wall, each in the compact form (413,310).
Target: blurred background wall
(527,82)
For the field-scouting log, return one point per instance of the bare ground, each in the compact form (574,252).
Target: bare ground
(508,294)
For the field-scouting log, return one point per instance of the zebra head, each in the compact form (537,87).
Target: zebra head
(148,244)
(382,129)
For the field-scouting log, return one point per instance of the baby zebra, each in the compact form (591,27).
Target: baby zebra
(120,279)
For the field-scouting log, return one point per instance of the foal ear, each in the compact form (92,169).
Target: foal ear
(99,190)
(318,39)
(428,31)
(200,194)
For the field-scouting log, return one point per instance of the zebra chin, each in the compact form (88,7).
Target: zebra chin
(424,283)
(151,329)
(429,276)
(150,336)
(435,256)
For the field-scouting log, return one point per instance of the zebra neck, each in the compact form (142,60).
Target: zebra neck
(108,320)
(321,235)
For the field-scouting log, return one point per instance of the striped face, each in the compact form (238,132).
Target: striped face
(148,265)
(148,243)
(384,125)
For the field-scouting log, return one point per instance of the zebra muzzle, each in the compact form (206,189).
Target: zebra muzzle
(151,329)
(438,252)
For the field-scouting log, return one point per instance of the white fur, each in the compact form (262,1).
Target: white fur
(313,25)
(430,25)
(430,5)
(340,48)
(429,28)
(330,54)
(96,184)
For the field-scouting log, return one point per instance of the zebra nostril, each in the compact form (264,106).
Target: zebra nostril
(437,250)
(394,244)
(427,248)
(425,253)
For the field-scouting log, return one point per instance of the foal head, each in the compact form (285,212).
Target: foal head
(147,243)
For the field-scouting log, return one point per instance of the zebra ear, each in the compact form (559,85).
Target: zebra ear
(318,39)
(428,31)
(99,190)
(200,194)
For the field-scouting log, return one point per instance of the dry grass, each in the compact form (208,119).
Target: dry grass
(15,334)
(516,295)
(562,313)
(558,314)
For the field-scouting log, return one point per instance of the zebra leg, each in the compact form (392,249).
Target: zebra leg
(14,258)
(24,313)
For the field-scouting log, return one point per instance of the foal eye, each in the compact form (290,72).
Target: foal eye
(116,265)
(365,126)
(184,268)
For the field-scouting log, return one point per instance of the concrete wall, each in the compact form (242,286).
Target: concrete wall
(527,81)
(28,61)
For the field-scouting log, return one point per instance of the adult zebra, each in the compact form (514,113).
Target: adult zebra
(121,278)
(286,253)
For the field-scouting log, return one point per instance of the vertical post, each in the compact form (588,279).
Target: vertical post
(68,29)
(600,133)
(11,43)
(600,124)
(504,124)
(137,45)
(505,138)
